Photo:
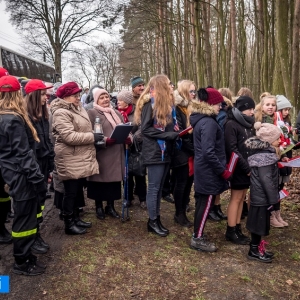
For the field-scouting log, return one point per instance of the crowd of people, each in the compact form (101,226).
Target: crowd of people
(186,136)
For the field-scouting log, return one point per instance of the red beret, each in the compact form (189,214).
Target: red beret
(3,72)
(68,89)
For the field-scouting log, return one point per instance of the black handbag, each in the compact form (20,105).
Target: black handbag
(136,166)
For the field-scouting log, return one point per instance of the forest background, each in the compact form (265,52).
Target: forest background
(222,43)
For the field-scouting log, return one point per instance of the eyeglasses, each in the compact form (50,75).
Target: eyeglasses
(193,91)
(171,84)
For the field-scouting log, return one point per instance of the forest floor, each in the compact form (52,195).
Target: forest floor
(116,260)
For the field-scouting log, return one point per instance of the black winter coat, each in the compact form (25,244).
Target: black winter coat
(19,167)
(209,147)
(151,152)
(44,147)
(235,136)
(181,156)
(264,173)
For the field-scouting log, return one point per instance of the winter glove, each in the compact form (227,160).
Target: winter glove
(110,141)
(226,175)
(128,141)
(98,137)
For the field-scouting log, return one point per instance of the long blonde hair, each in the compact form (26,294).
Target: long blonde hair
(184,88)
(163,103)
(13,103)
(259,114)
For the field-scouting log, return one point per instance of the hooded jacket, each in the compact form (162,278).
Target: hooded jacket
(209,147)
(19,167)
(264,173)
(236,134)
(181,156)
(151,152)
(74,141)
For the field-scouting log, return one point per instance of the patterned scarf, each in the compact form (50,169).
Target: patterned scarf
(162,143)
(109,114)
(125,112)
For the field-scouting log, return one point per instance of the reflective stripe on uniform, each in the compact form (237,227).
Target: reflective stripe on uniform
(39,215)
(42,207)
(23,233)
(4,199)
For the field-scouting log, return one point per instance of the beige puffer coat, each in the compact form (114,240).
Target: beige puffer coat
(75,154)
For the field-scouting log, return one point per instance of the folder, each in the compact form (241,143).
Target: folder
(121,132)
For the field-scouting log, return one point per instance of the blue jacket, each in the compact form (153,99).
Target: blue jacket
(209,147)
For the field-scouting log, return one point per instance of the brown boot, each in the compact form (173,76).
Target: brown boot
(279,218)
(274,222)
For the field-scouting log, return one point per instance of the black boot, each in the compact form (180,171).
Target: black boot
(71,227)
(213,216)
(80,222)
(182,220)
(153,226)
(232,236)
(219,212)
(41,241)
(164,229)
(255,254)
(38,248)
(33,259)
(240,233)
(110,210)
(100,213)
(5,236)
(27,268)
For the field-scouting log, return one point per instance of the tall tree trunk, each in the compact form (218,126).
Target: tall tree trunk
(234,59)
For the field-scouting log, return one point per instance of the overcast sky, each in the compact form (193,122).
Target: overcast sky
(8,36)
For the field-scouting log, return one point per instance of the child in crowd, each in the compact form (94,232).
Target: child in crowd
(263,186)
(266,113)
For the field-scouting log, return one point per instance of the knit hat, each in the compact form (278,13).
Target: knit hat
(35,85)
(282,102)
(125,96)
(3,72)
(210,96)
(134,81)
(9,84)
(68,89)
(244,102)
(98,92)
(267,132)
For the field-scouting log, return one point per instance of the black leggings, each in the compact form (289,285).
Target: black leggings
(255,239)
(203,205)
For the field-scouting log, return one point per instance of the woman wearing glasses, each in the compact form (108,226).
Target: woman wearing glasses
(156,113)
(185,93)
(75,154)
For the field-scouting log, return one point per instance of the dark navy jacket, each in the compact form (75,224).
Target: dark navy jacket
(209,147)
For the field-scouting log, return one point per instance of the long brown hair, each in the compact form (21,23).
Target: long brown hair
(259,114)
(34,106)
(13,103)
(226,92)
(163,103)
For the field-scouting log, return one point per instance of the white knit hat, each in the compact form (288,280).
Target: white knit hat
(283,102)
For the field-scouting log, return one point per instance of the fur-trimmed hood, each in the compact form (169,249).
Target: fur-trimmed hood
(228,102)
(200,109)
(179,100)
(265,155)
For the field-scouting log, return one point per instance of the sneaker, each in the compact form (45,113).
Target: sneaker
(28,268)
(202,244)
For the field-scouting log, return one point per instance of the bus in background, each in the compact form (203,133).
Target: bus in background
(20,65)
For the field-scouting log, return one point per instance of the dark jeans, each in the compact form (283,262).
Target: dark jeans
(24,228)
(140,187)
(156,177)
(73,197)
(203,205)
(180,175)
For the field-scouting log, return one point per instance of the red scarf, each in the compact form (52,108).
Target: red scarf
(125,112)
